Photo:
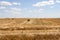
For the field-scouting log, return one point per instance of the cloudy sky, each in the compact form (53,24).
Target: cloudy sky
(29,8)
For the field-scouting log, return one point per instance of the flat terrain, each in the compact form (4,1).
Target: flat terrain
(29,28)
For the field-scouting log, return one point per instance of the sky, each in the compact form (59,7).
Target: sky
(29,8)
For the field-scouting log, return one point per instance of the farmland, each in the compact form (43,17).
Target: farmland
(29,28)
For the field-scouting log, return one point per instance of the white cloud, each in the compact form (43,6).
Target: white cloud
(44,3)
(36,11)
(40,10)
(13,10)
(2,8)
(41,4)
(51,6)
(58,1)
(5,3)
(16,9)
(51,2)
(15,3)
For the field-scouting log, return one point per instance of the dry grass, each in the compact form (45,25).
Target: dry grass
(30,29)
(33,24)
(26,37)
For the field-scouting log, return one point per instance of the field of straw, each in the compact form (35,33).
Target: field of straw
(29,28)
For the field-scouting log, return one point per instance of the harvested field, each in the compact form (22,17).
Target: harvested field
(30,29)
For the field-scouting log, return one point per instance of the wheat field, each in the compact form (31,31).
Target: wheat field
(29,28)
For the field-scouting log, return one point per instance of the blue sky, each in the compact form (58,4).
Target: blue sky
(29,8)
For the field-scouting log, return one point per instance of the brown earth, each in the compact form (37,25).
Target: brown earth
(29,28)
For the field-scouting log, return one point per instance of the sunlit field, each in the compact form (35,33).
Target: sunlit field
(30,29)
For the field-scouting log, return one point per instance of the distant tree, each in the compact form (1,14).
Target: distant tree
(28,20)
